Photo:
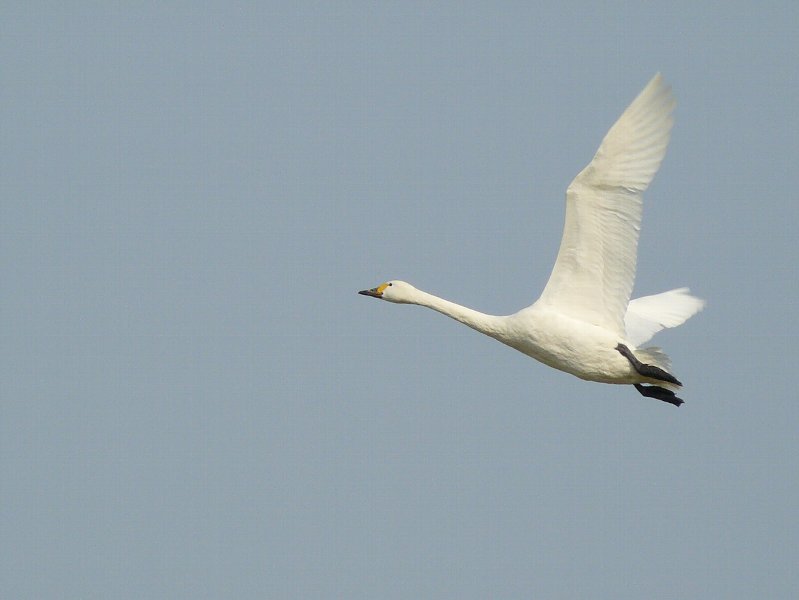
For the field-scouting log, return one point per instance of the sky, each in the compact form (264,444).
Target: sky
(197,404)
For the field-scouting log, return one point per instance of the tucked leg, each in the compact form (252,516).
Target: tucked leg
(645,370)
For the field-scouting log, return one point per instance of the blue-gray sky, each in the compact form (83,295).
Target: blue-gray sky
(196,403)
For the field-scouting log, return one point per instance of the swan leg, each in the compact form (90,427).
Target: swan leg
(653,391)
(650,371)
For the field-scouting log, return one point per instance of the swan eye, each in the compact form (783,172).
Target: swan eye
(390,284)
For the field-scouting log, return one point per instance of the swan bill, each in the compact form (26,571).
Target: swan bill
(374,293)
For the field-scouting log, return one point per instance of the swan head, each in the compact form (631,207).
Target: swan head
(393,291)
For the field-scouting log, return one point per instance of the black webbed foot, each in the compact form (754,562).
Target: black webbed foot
(654,391)
(645,370)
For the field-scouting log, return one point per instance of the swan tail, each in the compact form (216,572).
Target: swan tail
(649,314)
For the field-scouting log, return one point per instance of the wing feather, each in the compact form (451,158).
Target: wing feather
(594,272)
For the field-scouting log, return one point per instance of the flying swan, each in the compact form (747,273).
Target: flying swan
(584,323)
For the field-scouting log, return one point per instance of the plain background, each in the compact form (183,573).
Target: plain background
(196,403)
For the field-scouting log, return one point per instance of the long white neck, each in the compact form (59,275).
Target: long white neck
(488,324)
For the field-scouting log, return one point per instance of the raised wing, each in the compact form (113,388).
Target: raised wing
(593,275)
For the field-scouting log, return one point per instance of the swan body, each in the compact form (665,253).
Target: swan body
(584,323)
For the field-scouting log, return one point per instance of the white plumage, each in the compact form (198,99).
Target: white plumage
(649,314)
(584,323)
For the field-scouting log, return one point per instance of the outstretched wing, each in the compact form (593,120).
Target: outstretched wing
(593,275)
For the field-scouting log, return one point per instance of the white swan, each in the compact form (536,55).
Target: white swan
(584,323)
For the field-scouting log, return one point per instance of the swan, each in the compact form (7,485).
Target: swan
(584,322)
